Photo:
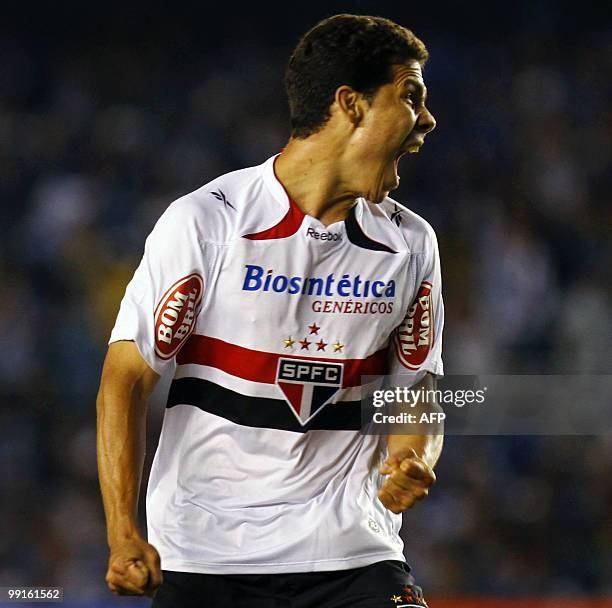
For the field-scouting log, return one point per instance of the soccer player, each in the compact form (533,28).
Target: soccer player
(271,291)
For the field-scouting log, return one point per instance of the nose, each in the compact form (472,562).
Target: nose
(426,122)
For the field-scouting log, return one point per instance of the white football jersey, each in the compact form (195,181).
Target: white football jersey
(272,318)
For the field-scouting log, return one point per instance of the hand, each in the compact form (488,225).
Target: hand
(133,568)
(409,478)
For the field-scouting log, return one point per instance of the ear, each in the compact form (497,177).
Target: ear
(350,103)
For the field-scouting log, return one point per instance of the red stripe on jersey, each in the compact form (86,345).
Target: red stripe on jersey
(288,226)
(258,366)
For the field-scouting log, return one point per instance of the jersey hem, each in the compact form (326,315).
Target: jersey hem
(320,565)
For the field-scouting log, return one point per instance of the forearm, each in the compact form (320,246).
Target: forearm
(121,432)
(425,435)
(413,451)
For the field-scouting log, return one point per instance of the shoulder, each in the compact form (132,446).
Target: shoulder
(215,211)
(413,227)
(410,230)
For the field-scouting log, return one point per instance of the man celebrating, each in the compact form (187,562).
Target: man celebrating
(273,290)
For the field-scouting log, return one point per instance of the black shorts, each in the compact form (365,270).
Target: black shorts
(384,584)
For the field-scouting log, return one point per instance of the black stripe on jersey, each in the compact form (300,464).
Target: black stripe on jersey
(358,237)
(259,411)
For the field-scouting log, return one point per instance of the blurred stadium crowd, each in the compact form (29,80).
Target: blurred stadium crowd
(516,180)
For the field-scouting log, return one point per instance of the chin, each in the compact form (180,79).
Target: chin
(377,196)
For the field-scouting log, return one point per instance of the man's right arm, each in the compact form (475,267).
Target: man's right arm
(126,384)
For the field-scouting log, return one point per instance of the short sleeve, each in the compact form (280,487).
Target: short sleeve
(161,302)
(416,345)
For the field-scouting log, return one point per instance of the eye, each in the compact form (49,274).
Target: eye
(409,98)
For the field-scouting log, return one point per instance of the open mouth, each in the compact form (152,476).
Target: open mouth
(411,148)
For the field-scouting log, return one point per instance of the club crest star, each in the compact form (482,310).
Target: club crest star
(289,342)
(305,344)
(338,347)
(314,329)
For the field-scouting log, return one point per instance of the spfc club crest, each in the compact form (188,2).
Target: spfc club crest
(308,385)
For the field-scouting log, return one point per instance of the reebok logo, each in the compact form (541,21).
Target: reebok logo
(323,236)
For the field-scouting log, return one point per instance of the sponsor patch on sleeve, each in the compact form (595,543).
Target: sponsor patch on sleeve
(175,315)
(414,337)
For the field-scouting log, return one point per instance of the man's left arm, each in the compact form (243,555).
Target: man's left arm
(412,457)
(416,362)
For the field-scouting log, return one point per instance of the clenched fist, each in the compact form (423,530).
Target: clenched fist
(408,480)
(133,568)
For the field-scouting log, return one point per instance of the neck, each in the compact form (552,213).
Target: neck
(311,171)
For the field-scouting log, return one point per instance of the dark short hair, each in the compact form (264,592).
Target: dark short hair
(353,50)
